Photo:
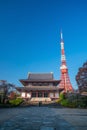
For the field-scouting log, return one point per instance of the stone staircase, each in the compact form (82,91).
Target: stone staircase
(42,99)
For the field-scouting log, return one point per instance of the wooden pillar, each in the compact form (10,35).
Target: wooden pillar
(31,94)
(48,93)
(42,94)
(36,94)
(54,94)
(25,94)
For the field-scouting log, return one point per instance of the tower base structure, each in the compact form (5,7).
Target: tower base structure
(65,83)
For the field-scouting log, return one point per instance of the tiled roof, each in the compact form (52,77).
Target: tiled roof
(35,88)
(25,82)
(40,76)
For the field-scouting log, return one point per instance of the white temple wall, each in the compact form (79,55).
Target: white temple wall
(57,95)
(23,94)
(51,95)
(28,95)
(54,95)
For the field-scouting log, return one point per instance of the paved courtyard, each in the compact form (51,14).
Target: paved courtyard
(43,118)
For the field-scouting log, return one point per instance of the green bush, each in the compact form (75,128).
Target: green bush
(65,102)
(73,101)
(16,101)
(62,96)
(82,104)
(58,100)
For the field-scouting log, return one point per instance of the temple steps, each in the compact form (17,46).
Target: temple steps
(41,104)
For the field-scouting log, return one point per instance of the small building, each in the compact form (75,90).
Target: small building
(40,87)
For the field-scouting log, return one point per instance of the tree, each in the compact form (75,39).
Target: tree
(5,89)
(81,78)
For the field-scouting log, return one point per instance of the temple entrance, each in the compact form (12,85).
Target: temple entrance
(33,94)
(40,94)
(45,94)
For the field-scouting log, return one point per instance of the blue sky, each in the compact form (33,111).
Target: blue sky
(30,37)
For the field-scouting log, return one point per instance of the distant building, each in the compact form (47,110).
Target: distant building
(40,87)
(81,78)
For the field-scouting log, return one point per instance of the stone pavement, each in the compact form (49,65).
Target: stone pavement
(43,118)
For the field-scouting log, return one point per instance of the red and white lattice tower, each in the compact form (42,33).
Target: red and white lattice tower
(65,80)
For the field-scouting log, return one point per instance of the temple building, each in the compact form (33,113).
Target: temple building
(40,87)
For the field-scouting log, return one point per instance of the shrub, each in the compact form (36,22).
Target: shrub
(58,100)
(16,101)
(62,96)
(65,102)
(73,101)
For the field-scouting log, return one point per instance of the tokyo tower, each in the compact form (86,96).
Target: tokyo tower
(65,83)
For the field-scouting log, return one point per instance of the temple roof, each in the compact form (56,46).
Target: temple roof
(38,88)
(40,76)
(26,81)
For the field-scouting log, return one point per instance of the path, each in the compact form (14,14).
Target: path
(43,118)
